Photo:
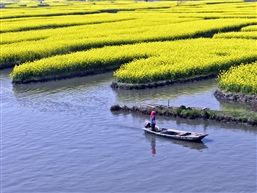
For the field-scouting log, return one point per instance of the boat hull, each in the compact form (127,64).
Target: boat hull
(181,135)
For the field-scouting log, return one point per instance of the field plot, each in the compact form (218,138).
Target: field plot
(237,80)
(146,62)
(249,32)
(167,41)
(25,24)
(243,35)
(102,35)
(27,9)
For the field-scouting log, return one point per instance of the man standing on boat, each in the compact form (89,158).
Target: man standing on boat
(152,120)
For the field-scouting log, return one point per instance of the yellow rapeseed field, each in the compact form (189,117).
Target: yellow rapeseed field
(241,79)
(147,62)
(149,41)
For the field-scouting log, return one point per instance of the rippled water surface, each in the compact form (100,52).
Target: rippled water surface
(61,137)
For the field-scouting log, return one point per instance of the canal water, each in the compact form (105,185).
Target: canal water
(61,137)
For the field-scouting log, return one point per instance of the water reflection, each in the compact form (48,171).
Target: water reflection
(169,93)
(191,145)
(76,96)
(74,84)
(61,134)
(153,146)
(237,106)
(200,94)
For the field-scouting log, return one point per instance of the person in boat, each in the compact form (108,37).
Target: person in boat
(153,121)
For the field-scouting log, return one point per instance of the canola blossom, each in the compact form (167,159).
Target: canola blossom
(145,41)
(250,28)
(24,51)
(240,79)
(25,24)
(76,63)
(82,26)
(242,35)
(146,62)
(188,58)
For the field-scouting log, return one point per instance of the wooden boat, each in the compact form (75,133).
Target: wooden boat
(175,134)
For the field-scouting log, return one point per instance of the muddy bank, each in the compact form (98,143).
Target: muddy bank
(127,86)
(229,96)
(192,113)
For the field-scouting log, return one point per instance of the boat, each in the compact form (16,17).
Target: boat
(174,134)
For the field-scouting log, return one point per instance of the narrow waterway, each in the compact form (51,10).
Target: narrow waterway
(61,137)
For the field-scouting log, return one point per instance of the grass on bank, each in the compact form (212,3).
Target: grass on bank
(194,113)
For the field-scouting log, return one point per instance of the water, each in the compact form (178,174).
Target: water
(61,137)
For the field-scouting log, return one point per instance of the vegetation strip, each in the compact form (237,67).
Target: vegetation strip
(249,118)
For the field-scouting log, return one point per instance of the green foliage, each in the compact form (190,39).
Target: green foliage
(244,119)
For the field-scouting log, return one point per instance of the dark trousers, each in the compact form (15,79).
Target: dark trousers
(153,127)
